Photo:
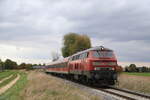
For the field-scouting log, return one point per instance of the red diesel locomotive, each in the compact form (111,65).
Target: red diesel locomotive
(94,65)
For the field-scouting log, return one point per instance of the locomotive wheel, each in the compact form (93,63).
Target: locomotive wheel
(83,80)
(111,82)
(89,81)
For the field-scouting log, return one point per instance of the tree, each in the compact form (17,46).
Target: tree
(22,66)
(10,64)
(1,65)
(44,64)
(144,69)
(29,67)
(35,65)
(126,69)
(149,69)
(74,43)
(39,64)
(132,68)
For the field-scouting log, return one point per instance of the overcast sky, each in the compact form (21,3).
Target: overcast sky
(31,29)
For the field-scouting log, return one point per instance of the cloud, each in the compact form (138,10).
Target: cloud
(37,27)
(127,50)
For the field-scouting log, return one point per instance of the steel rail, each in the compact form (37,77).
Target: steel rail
(131,92)
(116,94)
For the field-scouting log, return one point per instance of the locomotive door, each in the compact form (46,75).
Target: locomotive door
(83,61)
(82,65)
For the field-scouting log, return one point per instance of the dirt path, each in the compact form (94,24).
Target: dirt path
(6,87)
(5,78)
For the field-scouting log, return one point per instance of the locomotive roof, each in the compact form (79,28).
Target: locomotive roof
(94,48)
(90,49)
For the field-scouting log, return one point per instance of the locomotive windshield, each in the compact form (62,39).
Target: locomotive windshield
(103,54)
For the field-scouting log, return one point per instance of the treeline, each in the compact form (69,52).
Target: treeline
(134,68)
(9,64)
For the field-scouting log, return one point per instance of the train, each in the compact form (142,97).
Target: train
(96,65)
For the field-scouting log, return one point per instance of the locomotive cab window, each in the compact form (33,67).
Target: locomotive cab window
(103,54)
(83,55)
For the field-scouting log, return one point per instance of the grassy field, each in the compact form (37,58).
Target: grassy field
(5,74)
(13,92)
(35,85)
(139,83)
(45,87)
(138,74)
(8,80)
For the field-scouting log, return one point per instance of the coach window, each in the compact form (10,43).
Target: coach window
(85,55)
(82,55)
(77,57)
(73,58)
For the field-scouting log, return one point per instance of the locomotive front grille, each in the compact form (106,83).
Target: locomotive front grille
(103,74)
(103,68)
(98,63)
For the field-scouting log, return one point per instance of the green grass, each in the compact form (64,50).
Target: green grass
(8,80)
(14,92)
(5,74)
(138,74)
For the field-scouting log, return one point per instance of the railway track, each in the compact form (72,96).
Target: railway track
(115,93)
(124,94)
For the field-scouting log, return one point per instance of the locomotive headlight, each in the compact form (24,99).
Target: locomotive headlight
(112,68)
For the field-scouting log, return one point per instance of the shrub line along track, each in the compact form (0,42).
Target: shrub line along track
(114,92)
